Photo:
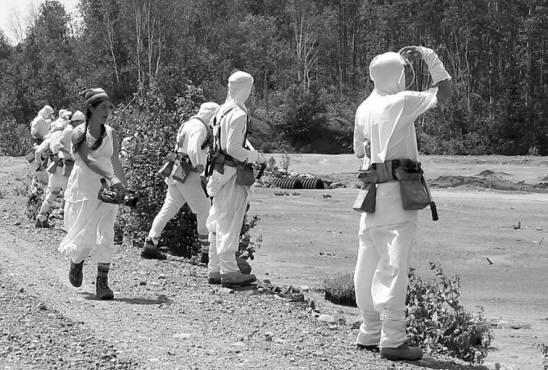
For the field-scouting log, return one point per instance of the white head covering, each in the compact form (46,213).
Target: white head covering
(239,88)
(59,124)
(383,108)
(388,73)
(66,114)
(45,112)
(207,111)
(78,116)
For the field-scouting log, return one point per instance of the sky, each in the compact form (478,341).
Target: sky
(10,8)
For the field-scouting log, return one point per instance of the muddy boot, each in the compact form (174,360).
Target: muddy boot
(243,265)
(150,251)
(237,279)
(75,274)
(214,278)
(401,353)
(101,285)
(42,222)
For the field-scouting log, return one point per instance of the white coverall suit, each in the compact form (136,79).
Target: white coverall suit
(230,200)
(56,180)
(39,127)
(190,139)
(386,120)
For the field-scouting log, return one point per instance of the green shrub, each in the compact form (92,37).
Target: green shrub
(436,320)
(152,128)
(15,139)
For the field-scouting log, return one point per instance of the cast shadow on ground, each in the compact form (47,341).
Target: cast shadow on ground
(140,301)
(432,363)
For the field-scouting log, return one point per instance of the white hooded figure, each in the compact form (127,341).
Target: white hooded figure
(192,146)
(385,122)
(230,199)
(39,127)
(57,181)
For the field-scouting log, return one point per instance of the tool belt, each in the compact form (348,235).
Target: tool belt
(54,162)
(244,171)
(178,171)
(413,188)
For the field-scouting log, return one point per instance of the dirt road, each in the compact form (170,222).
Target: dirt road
(165,315)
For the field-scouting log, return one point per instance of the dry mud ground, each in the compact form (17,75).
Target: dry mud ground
(166,316)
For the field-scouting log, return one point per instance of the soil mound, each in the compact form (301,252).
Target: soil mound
(488,180)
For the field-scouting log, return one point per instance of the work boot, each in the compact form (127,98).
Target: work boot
(42,223)
(204,258)
(237,279)
(214,278)
(401,353)
(102,289)
(370,348)
(150,251)
(75,274)
(243,265)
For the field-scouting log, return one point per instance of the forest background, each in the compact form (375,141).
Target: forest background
(309,60)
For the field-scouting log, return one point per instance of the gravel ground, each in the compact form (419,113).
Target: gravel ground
(164,315)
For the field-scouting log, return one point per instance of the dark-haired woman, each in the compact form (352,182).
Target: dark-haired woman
(89,222)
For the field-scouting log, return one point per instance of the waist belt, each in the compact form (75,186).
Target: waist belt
(393,170)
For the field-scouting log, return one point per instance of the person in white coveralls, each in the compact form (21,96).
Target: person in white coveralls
(230,197)
(385,126)
(192,148)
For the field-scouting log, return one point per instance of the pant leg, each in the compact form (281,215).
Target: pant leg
(51,194)
(213,266)
(389,285)
(172,204)
(230,205)
(366,265)
(199,204)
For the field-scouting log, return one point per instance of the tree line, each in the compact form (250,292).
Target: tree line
(309,60)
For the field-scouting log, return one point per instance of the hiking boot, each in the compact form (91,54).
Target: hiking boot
(42,223)
(370,348)
(243,265)
(401,353)
(102,290)
(204,258)
(150,251)
(214,278)
(237,279)
(75,274)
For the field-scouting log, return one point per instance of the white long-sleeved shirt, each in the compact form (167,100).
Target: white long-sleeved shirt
(190,140)
(233,128)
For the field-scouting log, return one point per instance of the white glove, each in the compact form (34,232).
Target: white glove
(435,66)
(261,159)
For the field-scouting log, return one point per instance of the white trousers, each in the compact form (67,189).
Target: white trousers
(178,194)
(381,279)
(56,183)
(225,222)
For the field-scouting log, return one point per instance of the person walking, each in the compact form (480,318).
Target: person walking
(184,183)
(384,125)
(89,222)
(229,185)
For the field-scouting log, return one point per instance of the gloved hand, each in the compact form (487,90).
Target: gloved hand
(261,159)
(113,193)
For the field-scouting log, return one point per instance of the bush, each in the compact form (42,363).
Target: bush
(15,139)
(152,128)
(436,320)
